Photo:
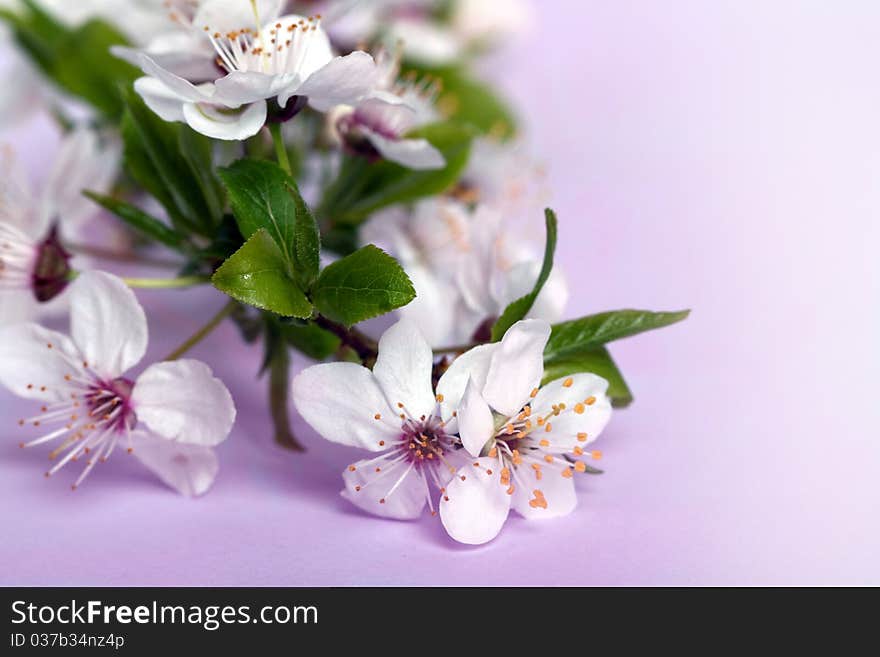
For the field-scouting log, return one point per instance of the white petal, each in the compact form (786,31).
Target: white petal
(476,504)
(189,469)
(17,306)
(228,15)
(227,126)
(517,366)
(520,280)
(82,163)
(341,401)
(403,369)
(182,401)
(416,154)
(366,488)
(579,417)
(556,491)
(343,81)
(475,422)
(29,368)
(430,310)
(472,364)
(16,201)
(184,53)
(243,87)
(552,299)
(107,323)
(159,98)
(184,89)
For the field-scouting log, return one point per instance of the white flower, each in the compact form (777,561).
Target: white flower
(525,439)
(170,417)
(284,58)
(377,125)
(466,266)
(33,262)
(393,411)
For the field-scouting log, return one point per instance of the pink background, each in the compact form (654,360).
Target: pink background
(722,156)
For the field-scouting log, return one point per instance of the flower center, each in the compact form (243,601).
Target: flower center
(280,48)
(92,416)
(424,439)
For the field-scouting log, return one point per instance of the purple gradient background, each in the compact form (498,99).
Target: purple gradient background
(721,156)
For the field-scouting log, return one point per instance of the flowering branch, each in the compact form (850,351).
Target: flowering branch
(410,195)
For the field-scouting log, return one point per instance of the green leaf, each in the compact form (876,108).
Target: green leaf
(36,32)
(153,157)
(198,152)
(264,196)
(518,309)
(311,340)
(138,219)
(256,274)
(84,66)
(596,360)
(363,187)
(578,335)
(365,284)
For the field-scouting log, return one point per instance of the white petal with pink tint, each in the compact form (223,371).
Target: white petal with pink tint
(385,486)
(343,81)
(107,323)
(183,401)
(552,496)
(189,469)
(344,403)
(476,426)
(417,154)
(517,366)
(220,124)
(403,369)
(34,361)
(476,503)
(471,365)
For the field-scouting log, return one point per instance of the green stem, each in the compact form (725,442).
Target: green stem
(280,148)
(117,256)
(279,395)
(160,283)
(203,332)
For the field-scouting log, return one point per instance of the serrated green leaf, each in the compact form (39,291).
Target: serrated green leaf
(139,220)
(518,309)
(365,284)
(596,360)
(363,187)
(592,331)
(257,275)
(264,196)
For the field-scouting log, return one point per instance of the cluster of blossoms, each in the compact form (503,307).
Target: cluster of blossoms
(487,437)
(321,164)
